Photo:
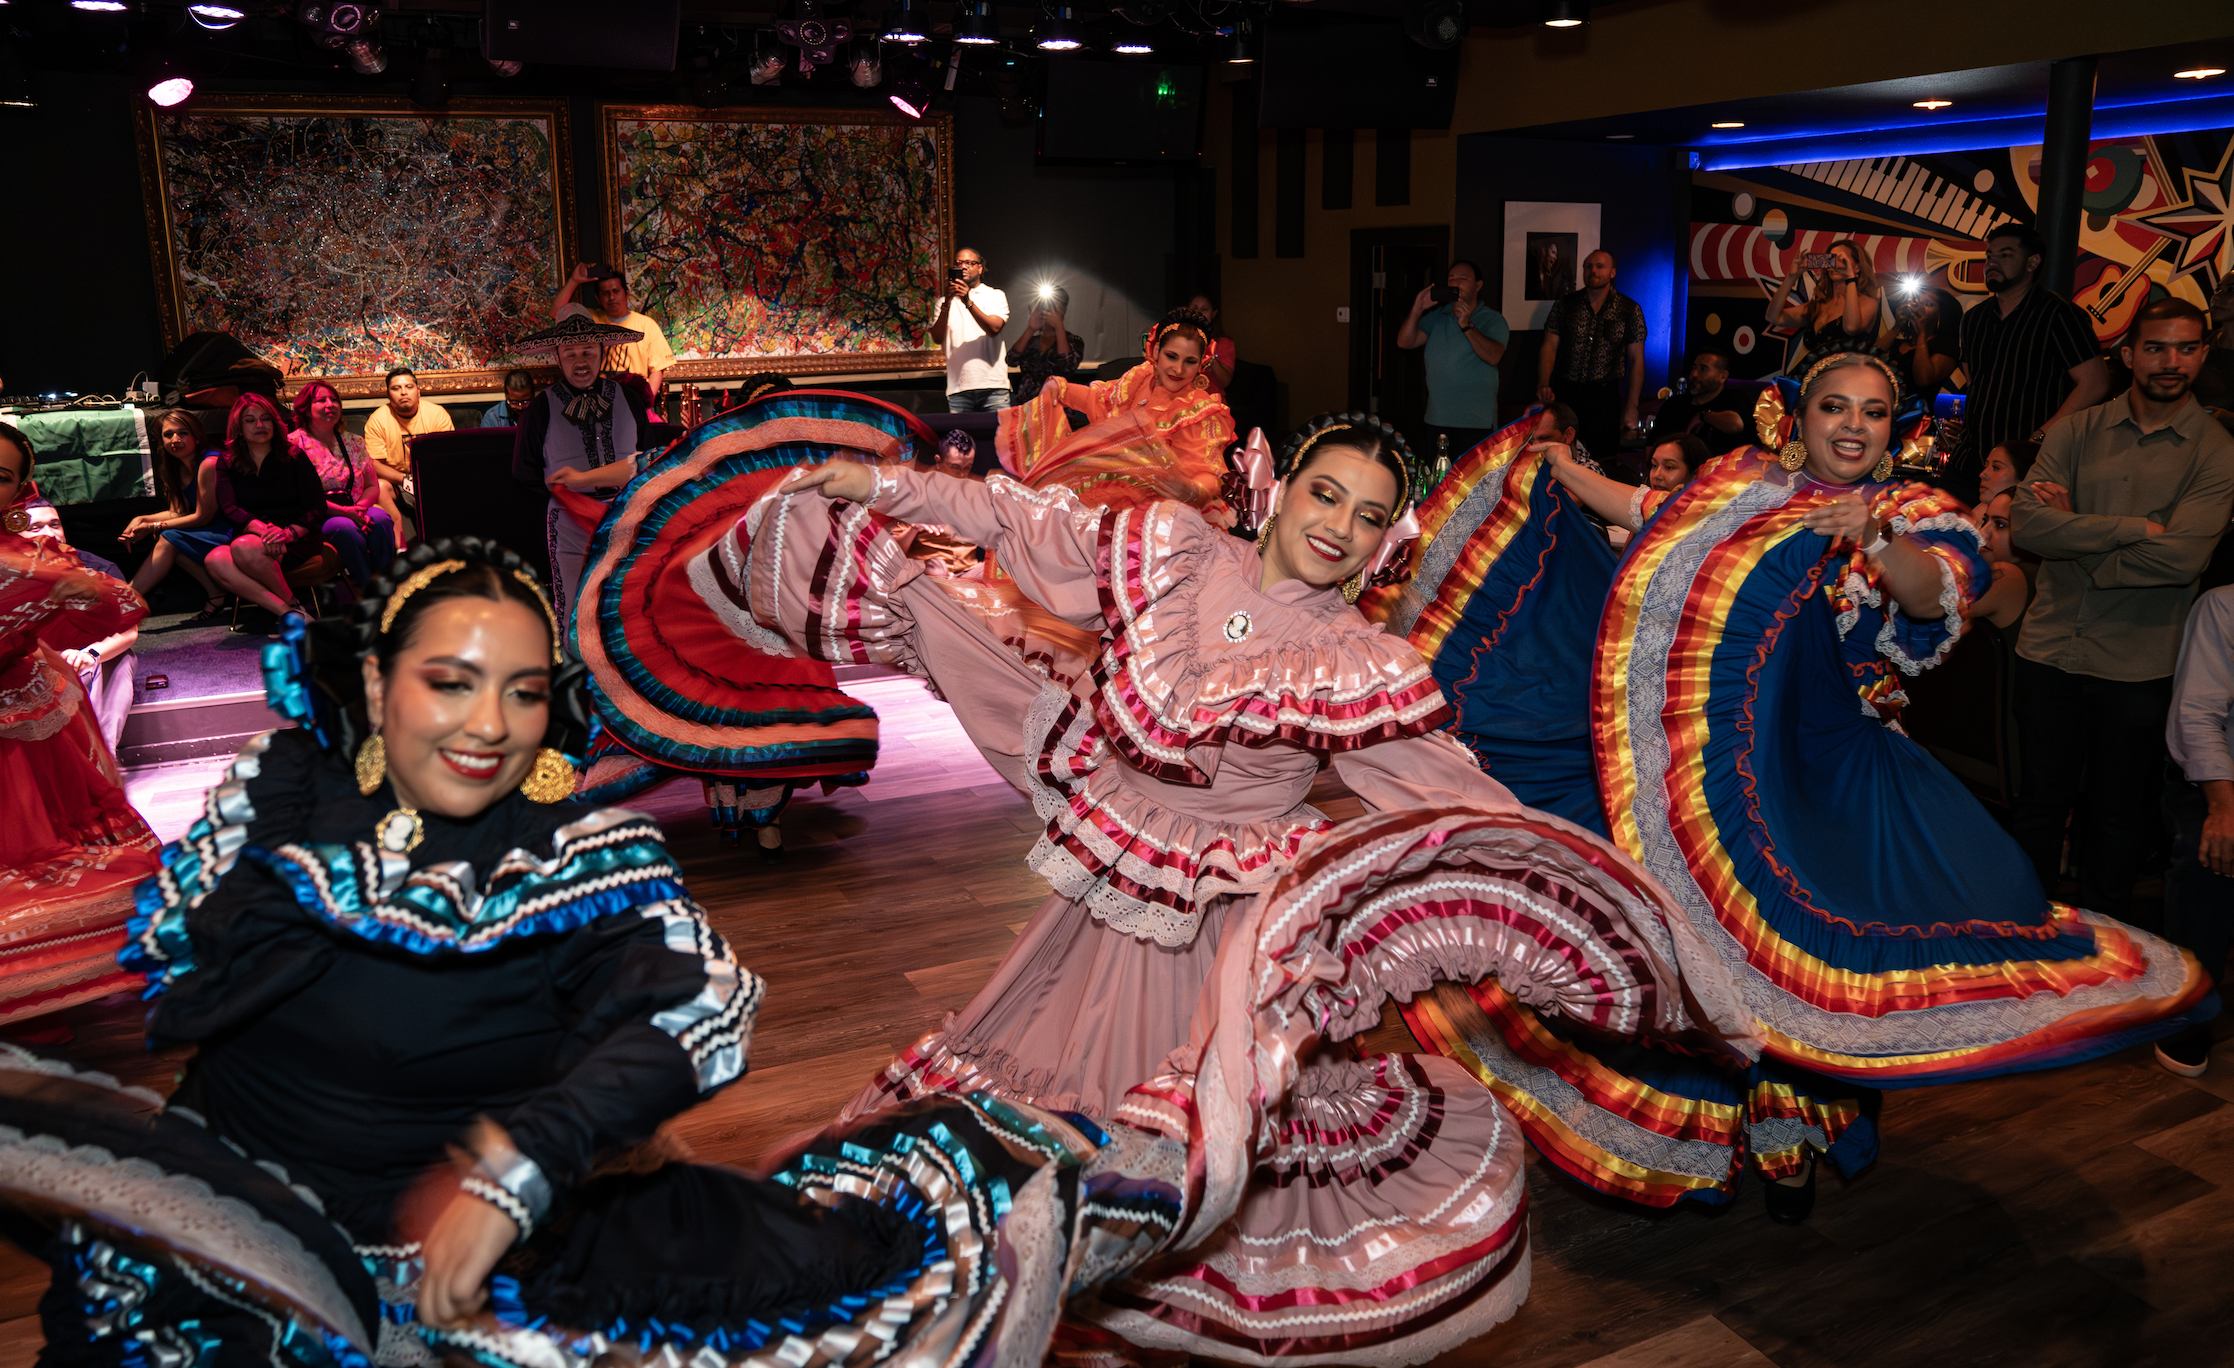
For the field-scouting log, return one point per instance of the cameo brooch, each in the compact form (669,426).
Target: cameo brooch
(1239,626)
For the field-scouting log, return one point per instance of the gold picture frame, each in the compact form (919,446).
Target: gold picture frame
(709,214)
(402,235)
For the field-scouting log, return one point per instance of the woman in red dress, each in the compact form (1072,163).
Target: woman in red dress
(71,847)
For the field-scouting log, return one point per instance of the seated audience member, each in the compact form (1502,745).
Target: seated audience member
(358,529)
(1217,367)
(2126,503)
(188,528)
(1708,409)
(1046,348)
(388,434)
(2199,808)
(519,388)
(649,356)
(271,495)
(1923,341)
(1558,423)
(1999,475)
(1675,462)
(2003,603)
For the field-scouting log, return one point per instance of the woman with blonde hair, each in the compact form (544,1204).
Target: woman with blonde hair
(1844,307)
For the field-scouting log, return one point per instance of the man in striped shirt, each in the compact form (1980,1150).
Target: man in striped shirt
(2031,356)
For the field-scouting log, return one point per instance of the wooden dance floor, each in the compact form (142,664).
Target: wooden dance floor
(2078,1217)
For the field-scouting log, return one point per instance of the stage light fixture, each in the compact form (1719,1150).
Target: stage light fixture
(168,85)
(1619,137)
(911,86)
(1933,104)
(1437,25)
(2198,73)
(15,80)
(216,17)
(1730,125)
(1566,13)
(1237,51)
(974,24)
(101,6)
(366,57)
(866,67)
(430,88)
(905,25)
(1133,45)
(1059,30)
(346,27)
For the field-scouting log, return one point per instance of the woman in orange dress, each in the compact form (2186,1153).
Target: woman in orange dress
(1159,431)
(71,847)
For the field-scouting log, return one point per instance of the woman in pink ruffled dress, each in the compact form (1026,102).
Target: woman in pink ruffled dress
(1384,1220)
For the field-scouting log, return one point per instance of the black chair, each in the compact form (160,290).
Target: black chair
(466,489)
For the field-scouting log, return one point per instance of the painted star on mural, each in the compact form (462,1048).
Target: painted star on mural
(2203,223)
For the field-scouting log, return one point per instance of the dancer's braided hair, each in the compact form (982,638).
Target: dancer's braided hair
(334,648)
(1360,432)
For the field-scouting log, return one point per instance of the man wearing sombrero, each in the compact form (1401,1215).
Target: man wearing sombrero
(578,441)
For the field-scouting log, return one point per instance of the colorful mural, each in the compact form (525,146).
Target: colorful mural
(2159,221)
(782,240)
(343,238)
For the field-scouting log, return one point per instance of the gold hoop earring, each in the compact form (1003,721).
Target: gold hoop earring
(1884,470)
(1264,534)
(551,780)
(372,765)
(1353,587)
(1793,455)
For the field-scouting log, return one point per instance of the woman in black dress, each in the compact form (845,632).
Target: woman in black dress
(389,939)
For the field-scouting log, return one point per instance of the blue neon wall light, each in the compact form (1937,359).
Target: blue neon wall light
(2110,121)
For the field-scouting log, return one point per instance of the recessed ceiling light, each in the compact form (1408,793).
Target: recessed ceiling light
(1617,137)
(1933,104)
(1729,125)
(2198,73)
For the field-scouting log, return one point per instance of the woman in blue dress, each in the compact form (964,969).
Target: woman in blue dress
(1737,695)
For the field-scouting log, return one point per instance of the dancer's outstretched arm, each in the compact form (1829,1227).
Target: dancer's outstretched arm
(1046,540)
(1610,499)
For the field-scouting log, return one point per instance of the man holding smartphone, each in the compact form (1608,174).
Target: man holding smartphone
(1464,343)
(968,325)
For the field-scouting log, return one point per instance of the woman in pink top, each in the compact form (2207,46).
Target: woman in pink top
(358,529)
(1373,1212)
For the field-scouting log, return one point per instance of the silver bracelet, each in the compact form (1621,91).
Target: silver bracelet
(1636,508)
(478,1186)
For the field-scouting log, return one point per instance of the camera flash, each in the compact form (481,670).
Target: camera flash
(1046,291)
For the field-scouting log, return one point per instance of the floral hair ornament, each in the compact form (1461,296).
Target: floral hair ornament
(427,575)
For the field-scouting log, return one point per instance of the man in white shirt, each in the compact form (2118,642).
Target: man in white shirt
(976,358)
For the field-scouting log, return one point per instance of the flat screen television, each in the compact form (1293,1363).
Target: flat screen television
(1136,113)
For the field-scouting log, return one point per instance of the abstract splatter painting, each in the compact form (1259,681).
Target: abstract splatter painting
(342,238)
(788,240)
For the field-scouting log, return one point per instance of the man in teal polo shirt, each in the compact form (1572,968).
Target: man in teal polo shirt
(1464,342)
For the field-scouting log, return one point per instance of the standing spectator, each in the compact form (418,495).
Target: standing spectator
(388,434)
(272,497)
(1217,366)
(2199,808)
(356,526)
(519,389)
(1593,341)
(1923,344)
(2127,503)
(976,362)
(1706,408)
(2031,355)
(1465,340)
(583,435)
(1047,348)
(186,482)
(1841,309)
(649,357)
